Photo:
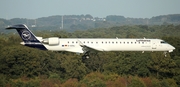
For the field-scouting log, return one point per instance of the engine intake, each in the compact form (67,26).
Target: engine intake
(51,41)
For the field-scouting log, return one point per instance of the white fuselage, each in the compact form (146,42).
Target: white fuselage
(106,44)
(84,45)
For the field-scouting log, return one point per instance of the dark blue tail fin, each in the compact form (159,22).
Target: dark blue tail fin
(27,36)
(25,33)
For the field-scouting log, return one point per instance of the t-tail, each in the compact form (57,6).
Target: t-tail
(27,36)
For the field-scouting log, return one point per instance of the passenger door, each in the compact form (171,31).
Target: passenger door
(154,45)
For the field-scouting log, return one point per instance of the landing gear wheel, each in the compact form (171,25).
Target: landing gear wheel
(165,54)
(85,56)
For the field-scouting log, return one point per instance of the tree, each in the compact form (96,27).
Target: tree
(136,82)
(72,66)
(161,65)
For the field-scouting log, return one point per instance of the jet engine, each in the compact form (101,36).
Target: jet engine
(51,41)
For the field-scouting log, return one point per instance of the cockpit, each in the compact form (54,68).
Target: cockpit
(163,42)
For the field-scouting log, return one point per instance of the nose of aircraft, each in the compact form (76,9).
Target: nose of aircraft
(171,48)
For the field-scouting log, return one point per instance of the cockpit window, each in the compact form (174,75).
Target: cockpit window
(163,42)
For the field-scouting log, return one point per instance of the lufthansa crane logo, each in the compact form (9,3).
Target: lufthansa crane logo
(26,35)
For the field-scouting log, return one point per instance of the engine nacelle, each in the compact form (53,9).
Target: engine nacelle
(51,41)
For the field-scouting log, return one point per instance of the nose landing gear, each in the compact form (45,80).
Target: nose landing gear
(165,54)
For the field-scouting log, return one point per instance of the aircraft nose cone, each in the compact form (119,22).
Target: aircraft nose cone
(173,48)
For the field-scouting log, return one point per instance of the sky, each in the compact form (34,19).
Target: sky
(33,9)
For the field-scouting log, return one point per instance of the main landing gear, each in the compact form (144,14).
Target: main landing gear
(86,56)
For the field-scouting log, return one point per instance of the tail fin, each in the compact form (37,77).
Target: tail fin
(27,36)
(25,33)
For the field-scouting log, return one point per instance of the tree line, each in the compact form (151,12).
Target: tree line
(84,22)
(24,66)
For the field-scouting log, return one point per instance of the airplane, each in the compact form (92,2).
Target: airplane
(86,45)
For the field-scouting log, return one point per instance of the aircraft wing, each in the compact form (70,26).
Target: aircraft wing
(86,48)
(93,48)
